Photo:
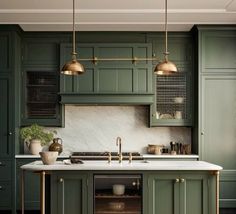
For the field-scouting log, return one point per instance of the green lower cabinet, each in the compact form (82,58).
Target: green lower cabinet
(32,187)
(173,193)
(69,193)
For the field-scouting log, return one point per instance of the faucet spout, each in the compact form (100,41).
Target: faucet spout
(118,143)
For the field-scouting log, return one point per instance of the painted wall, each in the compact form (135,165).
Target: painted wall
(95,128)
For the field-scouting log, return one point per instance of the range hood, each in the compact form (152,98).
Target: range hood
(105,99)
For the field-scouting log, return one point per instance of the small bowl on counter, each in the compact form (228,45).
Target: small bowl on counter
(48,157)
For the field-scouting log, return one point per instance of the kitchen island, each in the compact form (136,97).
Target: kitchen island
(181,187)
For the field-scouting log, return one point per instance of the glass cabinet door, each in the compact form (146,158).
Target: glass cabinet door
(117,194)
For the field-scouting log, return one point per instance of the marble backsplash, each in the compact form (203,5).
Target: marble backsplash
(95,128)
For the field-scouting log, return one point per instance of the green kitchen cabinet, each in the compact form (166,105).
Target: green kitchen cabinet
(174,193)
(32,186)
(173,100)
(69,193)
(216,127)
(40,81)
(106,78)
(6,117)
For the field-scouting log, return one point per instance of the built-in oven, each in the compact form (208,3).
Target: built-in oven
(117,194)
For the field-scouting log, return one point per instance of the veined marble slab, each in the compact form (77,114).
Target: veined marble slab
(135,165)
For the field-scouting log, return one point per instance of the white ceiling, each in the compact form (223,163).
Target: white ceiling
(115,15)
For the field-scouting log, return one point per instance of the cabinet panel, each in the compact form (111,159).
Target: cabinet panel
(218,121)
(4,52)
(70,193)
(185,193)
(163,189)
(218,128)
(5,170)
(32,187)
(109,75)
(5,117)
(213,57)
(5,195)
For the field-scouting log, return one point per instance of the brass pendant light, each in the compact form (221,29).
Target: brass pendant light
(165,67)
(73,67)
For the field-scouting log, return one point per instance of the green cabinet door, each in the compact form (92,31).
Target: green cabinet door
(5,52)
(173,94)
(70,193)
(217,130)
(6,135)
(173,193)
(32,187)
(163,194)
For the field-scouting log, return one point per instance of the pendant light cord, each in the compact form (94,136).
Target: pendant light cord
(166,33)
(74,51)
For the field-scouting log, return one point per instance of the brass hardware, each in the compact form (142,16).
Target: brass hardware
(217,173)
(73,67)
(166,67)
(202,133)
(1,164)
(130,157)
(61,180)
(136,183)
(22,192)
(182,180)
(118,143)
(10,133)
(0,187)
(109,157)
(177,180)
(95,59)
(42,192)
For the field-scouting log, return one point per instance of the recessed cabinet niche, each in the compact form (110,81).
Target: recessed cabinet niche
(41,97)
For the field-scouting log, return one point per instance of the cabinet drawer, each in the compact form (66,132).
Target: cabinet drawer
(5,195)
(5,170)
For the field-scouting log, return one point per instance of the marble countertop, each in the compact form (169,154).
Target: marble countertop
(145,156)
(135,165)
(169,156)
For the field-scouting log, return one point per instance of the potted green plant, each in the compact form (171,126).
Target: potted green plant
(35,137)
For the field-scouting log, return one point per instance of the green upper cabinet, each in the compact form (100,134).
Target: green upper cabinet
(218,50)
(40,81)
(109,77)
(173,100)
(185,193)
(5,52)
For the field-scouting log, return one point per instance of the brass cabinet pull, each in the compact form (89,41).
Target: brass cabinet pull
(1,188)
(202,133)
(61,180)
(182,180)
(176,180)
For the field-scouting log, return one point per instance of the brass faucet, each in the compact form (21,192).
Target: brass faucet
(118,143)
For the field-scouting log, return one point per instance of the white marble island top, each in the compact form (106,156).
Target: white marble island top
(135,165)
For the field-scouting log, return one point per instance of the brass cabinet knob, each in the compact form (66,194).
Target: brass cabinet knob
(9,133)
(176,180)
(182,180)
(202,133)
(61,180)
(1,163)
(0,187)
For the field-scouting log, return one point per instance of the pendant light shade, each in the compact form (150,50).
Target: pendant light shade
(165,67)
(73,67)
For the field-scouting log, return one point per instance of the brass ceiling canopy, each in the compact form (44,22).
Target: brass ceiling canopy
(73,67)
(165,67)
